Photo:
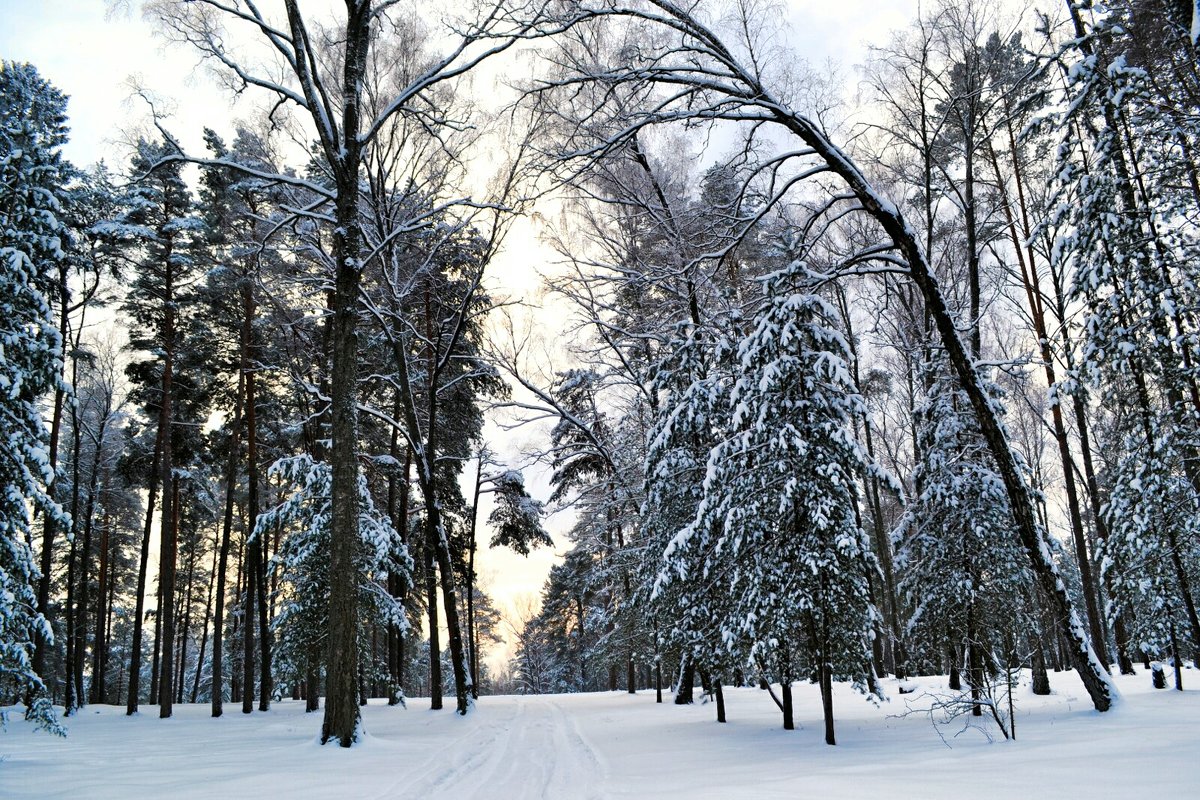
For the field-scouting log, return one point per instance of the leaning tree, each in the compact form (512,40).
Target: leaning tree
(656,64)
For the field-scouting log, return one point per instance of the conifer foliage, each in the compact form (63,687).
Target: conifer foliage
(32,176)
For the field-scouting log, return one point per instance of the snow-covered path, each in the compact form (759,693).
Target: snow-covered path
(615,746)
(530,749)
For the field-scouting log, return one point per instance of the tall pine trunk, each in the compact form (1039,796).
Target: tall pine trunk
(250,571)
(258,548)
(167,537)
(135,648)
(218,644)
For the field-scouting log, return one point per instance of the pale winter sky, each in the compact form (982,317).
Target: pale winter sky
(96,58)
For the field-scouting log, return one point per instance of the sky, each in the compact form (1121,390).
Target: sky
(97,58)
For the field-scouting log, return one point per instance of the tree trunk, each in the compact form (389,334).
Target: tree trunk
(85,559)
(186,622)
(312,684)
(98,635)
(75,676)
(462,680)
(955,676)
(472,634)
(720,699)
(344,150)
(398,511)
(70,699)
(135,649)
(789,723)
(167,534)
(974,660)
(827,701)
(204,634)
(1041,680)
(687,676)
(218,644)
(258,548)
(155,660)
(435,644)
(249,596)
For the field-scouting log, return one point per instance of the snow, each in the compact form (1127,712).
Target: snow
(618,745)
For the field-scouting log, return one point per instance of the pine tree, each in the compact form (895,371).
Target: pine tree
(161,234)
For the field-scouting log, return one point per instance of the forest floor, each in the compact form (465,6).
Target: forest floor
(616,745)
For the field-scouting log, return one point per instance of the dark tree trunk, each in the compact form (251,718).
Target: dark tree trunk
(1176,655)
(827,701)
(462,680)
(974,662)
(398,510)
(687,676)
(472,634)
(258,548)
(204,634)
(343,149)
(75,676)
(785,689)
(155,660)
(135,649)
(1041,680)
(186,622)
(236,630)
(312,686)
(167,534)
(98,635)
(218,644)
(435,644)
(250,571)
(720,699)
(85,567)
(70,700)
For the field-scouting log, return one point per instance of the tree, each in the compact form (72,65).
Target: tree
(325,81)
(303,563)
(160,233)
(32,174)
(776,528)
(517,520)
(699,75)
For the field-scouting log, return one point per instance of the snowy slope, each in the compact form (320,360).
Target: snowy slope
(614,745)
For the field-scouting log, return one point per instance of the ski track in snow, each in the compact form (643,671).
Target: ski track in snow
(535,752)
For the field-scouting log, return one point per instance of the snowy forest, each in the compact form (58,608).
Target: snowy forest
(876,381)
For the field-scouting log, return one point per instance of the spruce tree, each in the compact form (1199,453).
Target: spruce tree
(32,174)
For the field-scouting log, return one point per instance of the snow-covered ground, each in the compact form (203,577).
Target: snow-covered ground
(615,745)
